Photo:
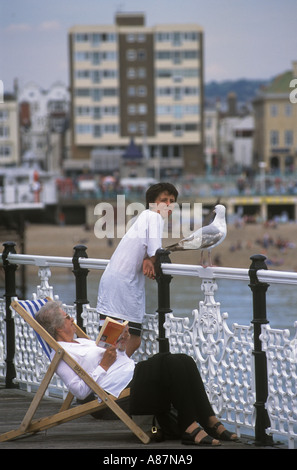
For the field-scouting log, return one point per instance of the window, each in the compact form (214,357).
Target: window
(141,54)
(274,138)
(96,94)
(96,76)
(142,108)
(178,129)
(81,37)
(131,109)
(177,93)
(273,110)
(110,128)
(288,109)
(109,92)
(131,72)
(191,127)
(143,127)
(141,91)
(4,132)
(132,127)
(141,72)
(97,131)
(289,138)
(83,111)
(165,127)
(176,39)
(83,129)
(165,151)
(4,114)
(81,56)
(5,151)
(131,91)
(178,111)
(131,54)
(97,112)
(130,37)
(141,37)
(82,92)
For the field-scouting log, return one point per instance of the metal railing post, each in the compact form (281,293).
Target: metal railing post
(80,282)
(261,379)
(163,280)
(10,292)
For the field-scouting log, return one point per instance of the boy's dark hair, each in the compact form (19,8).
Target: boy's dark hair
(156,189)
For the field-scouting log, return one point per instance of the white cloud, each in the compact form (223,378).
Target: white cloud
(18,28)
(49,26)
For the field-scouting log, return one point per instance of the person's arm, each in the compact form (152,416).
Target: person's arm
(75,384)
(148,267)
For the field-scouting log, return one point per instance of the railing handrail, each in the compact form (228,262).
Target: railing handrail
(195,270)
(55,261)
(211,272)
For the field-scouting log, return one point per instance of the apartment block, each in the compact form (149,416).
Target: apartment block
(275,139)
(133,83)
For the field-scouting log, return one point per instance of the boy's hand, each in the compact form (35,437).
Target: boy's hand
(148,268)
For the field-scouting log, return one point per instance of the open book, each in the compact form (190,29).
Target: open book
(110,333)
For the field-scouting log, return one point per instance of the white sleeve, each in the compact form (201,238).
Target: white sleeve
(154,233)
(74,383)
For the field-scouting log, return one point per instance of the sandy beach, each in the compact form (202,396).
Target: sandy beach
(278,244)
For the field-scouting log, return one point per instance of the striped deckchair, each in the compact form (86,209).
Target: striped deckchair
(27,310)
(33,307)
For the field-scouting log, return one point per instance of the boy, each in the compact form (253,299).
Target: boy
(121,293)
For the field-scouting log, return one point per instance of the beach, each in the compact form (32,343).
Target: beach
(277,242)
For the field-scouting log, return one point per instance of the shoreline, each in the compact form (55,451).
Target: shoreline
(277,243)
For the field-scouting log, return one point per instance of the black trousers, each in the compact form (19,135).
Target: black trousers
(170,379)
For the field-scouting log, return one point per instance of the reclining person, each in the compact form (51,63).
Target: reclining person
(156,383)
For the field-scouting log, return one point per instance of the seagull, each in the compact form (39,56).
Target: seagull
(206,237)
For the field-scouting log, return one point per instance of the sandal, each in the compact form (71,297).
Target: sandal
(189,439)
(223,436)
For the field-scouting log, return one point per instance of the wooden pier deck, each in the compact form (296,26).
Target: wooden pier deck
(110,437)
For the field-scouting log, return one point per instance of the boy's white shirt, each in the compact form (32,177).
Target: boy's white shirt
(121,291)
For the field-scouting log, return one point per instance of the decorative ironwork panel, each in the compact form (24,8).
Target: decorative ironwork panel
(281,353)
(223,356)
(2,338)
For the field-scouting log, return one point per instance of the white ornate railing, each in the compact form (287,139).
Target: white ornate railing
(223,353)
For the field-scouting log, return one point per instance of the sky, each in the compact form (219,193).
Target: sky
(253,39)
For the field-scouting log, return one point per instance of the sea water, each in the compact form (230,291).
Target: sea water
(235,297)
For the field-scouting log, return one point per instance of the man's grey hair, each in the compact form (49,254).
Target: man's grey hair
(50,317)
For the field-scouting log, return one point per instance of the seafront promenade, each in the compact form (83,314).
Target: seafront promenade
(110,437)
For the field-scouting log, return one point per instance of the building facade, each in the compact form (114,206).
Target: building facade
(9,132)
(132,82)
(44,118)
(275,139)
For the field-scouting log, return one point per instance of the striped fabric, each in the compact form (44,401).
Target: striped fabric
(32,307)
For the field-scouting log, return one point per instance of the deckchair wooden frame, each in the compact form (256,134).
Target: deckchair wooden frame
(65,414)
